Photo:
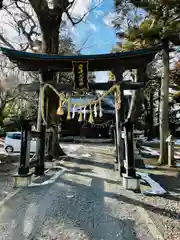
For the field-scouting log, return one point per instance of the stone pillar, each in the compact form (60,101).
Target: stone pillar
(25,148)
(23,178)
(171,142)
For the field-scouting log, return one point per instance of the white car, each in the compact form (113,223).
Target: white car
(13,142)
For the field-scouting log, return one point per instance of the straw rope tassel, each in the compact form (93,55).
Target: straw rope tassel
(118,98)
(69,109)
(63,100)
(91,120)
(85,113)
(74,113)
(95,110)
(47,108)
(100,110)
(42,106)
(80,116)
(60,108)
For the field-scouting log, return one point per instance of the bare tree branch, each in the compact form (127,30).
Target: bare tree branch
(39,5)
(83,44)
(61,6)
(6,42)
(76,21)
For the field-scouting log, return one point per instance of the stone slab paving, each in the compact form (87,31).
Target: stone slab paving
(86,203)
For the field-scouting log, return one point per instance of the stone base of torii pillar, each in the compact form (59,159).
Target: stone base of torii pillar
(130,183)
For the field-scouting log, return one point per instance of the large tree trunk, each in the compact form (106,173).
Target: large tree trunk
(159,103)
(164,105)
(50,25)
(150,120)
(146,107)
(137,97)
(52,119)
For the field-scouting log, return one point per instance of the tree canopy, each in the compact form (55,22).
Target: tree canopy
(161,20)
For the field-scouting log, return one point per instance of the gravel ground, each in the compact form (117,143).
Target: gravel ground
(165,211)
(8,166)
(86,202)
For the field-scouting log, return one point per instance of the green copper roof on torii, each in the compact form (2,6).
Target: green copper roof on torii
(28,61)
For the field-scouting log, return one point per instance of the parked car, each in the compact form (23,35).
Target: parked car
(13,142)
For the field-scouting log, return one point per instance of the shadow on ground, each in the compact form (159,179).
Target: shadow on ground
(72,210)
(167,178)
(51,213)
(92,162)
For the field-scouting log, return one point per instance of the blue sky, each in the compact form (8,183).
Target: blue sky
(101,38)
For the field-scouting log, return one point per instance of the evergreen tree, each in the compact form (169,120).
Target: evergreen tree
(160,25)
(161,20)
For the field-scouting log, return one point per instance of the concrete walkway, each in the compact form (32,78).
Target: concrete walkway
(86,202)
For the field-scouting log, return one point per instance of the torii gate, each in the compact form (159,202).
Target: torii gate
(115,62)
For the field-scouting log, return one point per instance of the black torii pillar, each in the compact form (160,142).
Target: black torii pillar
(130,180)
(129,149)
(119,115)
(1,4)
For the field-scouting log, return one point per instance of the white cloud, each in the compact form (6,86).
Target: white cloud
(80,7)
(99,2)
(92,27)
(78,10)
(99,13)
(109,18)
(70,30)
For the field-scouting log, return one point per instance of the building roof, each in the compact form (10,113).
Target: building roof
(28,61)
